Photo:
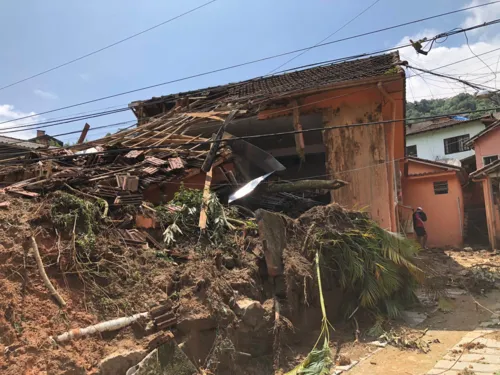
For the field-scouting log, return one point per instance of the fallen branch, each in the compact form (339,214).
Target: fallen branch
(45,278)
(110,325)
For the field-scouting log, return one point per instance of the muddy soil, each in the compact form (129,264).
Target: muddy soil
(205,295)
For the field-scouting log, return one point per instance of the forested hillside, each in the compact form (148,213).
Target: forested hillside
(459,103)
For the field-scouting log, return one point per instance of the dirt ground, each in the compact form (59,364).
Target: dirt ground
(445,328)
(28,314)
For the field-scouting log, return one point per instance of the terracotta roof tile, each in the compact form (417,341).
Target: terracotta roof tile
(294,81)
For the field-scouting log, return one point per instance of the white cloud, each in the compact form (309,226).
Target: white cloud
(8,113)
(476,70)
(481,15)
(45,94)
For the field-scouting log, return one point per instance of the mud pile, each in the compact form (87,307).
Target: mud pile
(218,285)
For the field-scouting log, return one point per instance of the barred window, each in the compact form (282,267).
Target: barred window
(456,144)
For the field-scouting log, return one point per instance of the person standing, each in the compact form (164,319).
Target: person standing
(419,218)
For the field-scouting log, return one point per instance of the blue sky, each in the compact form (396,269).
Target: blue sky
(37,35)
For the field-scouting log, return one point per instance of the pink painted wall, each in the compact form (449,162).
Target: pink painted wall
(445,216)
(487,145)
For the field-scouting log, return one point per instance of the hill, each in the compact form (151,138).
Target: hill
(456,104)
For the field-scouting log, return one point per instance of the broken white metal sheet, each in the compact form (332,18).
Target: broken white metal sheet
(248,188)
(91,150)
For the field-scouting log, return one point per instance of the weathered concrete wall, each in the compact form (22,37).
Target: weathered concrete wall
(367,149)
(358,155)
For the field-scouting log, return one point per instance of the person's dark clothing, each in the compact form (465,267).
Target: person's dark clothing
(419,217)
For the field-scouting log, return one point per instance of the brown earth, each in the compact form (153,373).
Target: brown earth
(205,295)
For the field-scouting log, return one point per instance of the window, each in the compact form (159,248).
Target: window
(411,150)
(441,187)
(456,144)
(490,159)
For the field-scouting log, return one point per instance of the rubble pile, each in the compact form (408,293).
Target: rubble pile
(215,292)
(139,263)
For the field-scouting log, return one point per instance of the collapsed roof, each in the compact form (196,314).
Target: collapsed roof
(253,91)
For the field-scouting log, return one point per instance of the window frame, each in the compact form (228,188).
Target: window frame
(488,157)
(416,151)
(460,140)
(439,189)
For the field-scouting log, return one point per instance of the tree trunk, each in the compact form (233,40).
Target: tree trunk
(292,187)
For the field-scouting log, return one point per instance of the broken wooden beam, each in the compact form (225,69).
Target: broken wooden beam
(304,185)
(299,137)
(206,196)
(85,130)
(207,164)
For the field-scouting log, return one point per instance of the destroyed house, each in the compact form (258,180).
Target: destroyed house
(12,147)
(367,93)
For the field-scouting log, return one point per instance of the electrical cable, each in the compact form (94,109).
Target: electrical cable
(453,32)
(107,47)
(48,124)
(328,37)
(253,61)
(269,135)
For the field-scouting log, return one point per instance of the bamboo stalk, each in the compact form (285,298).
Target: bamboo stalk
(45,278)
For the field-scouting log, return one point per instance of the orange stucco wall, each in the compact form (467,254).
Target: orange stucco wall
(363,155)
(445,212)
(487,145)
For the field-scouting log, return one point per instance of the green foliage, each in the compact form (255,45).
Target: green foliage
(374,267)
(460,103)
(66,208)
(180,217)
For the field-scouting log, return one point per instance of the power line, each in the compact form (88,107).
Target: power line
(98,114)
(328,37)
(20,142)
(47,124)
(269,135)
(254,61)
(108,46)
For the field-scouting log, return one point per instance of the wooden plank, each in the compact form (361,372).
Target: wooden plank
(83,135)
(206,196)
(207,164)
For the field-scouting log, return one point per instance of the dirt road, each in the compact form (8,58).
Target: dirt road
(445,329)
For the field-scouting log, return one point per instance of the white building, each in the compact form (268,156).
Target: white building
(443,138)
